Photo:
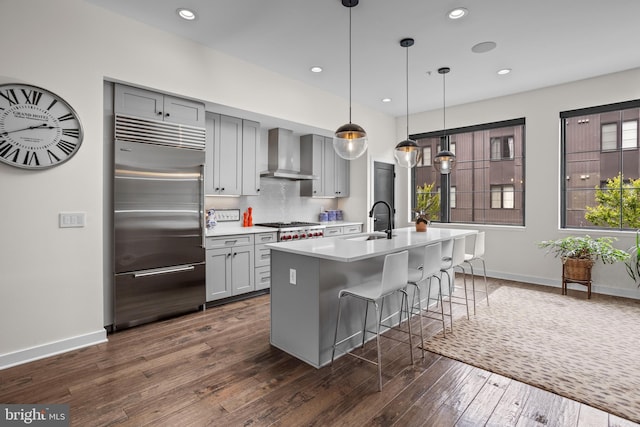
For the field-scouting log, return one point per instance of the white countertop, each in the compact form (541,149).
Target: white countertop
(346,248)
(229,228)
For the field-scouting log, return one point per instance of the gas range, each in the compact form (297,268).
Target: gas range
(296,230)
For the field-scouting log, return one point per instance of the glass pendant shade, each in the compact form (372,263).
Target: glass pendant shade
(444,162)
(350,141)
(406,153)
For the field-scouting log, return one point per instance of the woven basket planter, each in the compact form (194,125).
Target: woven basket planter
(577,269)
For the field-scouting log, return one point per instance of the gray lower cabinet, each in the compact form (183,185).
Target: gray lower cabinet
(318,157)
(263,260)
(230,266)
(145,103)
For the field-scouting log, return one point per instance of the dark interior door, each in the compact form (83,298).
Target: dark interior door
(383,185)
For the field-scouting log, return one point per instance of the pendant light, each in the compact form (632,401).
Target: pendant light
(350,140)
(406,152)
(445,159)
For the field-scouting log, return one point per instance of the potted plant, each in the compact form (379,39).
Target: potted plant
(579,254)
(633,263)
(427,205)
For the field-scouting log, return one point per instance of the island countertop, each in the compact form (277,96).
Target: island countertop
(353,247)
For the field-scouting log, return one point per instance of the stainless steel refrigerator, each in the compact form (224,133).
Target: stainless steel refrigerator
(159,254)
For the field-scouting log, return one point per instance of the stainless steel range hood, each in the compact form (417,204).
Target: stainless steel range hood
(284,157)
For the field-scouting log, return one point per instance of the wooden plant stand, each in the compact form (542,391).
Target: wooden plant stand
(576,271)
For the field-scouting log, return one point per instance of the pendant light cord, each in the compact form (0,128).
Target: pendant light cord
(350,64)
(444,107)
(407,68)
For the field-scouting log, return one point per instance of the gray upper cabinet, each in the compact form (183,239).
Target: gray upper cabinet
(250,156)
(341,183)
(318,157)
(224,155)
(138,102)
(312,162)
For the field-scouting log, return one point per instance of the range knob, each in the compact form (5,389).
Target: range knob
(303,236)
(295,236)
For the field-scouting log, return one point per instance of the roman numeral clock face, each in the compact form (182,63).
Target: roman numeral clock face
(38,129)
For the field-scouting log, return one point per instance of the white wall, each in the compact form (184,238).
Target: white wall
(512,251)
(51,290)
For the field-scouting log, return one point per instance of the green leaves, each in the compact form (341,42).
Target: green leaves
(427,202)
(618,204)
(585,247)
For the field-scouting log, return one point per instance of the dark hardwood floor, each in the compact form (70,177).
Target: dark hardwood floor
(217,368)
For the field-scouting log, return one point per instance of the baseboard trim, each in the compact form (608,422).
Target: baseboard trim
(557,283)
(51,349)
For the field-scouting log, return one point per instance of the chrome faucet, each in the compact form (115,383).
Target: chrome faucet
(388,231)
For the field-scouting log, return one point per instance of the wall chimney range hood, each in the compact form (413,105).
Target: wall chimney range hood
(284,157)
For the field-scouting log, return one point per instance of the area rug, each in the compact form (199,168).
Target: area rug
(585,350)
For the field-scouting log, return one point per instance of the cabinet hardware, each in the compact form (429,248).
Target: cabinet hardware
(170,270)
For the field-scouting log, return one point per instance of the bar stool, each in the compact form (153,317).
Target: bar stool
(394,280)
(477,254)
(430,268)
(451,261)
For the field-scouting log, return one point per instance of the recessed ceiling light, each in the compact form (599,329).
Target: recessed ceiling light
(504,71)
(386,100)
(457,13)
(483,47)
(186,14)
(316,69)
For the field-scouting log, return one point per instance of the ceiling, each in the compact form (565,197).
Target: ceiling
(544,42)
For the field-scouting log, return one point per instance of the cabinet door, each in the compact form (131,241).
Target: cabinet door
(138,102)
(242,270)
(341,177)
(329,171)
(212,172)
(218,274)
(250,156)
(229,161)
(311,162)
(183,111)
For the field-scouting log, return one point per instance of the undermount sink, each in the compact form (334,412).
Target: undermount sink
(366,236)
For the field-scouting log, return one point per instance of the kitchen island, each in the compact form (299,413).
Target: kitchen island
(307,275)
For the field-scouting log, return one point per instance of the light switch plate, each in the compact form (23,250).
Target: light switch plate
(292,276)
(71,219)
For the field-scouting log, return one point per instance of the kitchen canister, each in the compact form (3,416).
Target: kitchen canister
(331,215)
(211,218)
(324,216)
(339,215)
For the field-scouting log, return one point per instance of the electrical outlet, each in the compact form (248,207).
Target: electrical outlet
(71,219)
(292,276)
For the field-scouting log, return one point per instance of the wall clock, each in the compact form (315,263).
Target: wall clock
(38,129)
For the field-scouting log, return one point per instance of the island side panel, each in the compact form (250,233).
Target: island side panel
(294,308)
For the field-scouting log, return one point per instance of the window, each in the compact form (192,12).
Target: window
(630,134)
(601,167)
(502,197)
(425,159)
(452,197)
(482,190)
(609,136)
(502,148)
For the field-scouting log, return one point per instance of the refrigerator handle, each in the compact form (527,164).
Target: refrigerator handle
(168,270)
(203,222)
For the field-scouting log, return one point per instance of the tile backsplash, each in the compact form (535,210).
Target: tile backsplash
(279,200)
